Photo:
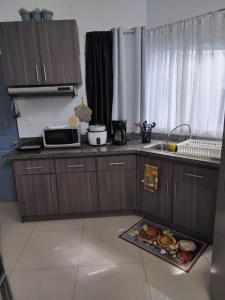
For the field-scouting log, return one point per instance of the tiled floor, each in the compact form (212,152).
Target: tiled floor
(85,260)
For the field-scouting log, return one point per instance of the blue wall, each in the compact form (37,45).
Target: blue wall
(8,134)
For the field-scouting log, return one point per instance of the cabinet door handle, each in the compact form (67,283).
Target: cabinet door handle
(193,175)
(167,189)
(117,164)
(175,191)
(44,71)
(32,168)
(52,185)
(75,166)
(37,74)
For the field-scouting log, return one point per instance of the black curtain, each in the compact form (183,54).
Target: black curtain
(99,76)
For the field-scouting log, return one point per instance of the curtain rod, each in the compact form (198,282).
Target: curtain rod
(189,18)
(202,15)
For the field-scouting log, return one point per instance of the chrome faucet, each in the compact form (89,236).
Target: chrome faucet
(169,134)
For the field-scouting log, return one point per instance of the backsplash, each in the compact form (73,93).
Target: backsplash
(38,113)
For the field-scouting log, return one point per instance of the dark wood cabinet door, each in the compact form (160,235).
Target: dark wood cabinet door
(60,53)
(20,56)
(194,198)
(117,190)
(37,194)
(77,192)
(159,203)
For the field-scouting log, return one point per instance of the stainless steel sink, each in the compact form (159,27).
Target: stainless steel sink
(159,147)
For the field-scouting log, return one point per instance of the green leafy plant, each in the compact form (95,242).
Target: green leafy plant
(36,11)
(46,11)
(23,10)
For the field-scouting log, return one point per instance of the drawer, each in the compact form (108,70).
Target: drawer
(197,174)
(37,166)
(73,165)
(119,162)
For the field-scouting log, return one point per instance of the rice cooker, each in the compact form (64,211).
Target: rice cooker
(97,135)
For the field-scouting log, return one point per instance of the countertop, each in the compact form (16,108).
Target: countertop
(134,146)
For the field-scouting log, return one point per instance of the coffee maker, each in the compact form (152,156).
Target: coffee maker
(119,129)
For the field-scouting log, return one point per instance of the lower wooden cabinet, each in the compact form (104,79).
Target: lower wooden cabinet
(186,197)
(37,194)
(77,192)
(194,198)
(159,203)
(117,190)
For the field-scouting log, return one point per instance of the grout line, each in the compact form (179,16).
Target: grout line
(44,269)
(74,267)
(146,277)
(78,261)
(20,254)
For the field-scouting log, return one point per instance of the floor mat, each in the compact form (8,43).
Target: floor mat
(174,247)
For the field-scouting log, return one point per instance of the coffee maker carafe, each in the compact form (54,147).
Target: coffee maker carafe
(119,132)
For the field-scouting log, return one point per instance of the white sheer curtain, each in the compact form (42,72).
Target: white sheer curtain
(172,74)
(127,69)
(185,81)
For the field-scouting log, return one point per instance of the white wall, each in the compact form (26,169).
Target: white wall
(166,11)
(90,15)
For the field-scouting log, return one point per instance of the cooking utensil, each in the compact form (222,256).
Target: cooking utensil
(146,131)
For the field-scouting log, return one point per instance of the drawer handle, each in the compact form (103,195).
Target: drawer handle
(32,168)
(195,176)
(117,164)
(75,166)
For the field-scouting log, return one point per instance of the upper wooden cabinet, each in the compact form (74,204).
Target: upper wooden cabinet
(40,53)
(59,51)
(20,55)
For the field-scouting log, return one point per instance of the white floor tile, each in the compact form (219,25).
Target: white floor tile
(46,250)
(135,219)
(8,206)
(114,282)
(148,257)
(55,284)
(17,227)
(41,259)
(208,254)
(10,216)
(11,222)
(12,246)
(119,222)
(59,225)
(103,247)
(166,282)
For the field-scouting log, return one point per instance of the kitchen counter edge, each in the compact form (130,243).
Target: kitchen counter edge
(89,151)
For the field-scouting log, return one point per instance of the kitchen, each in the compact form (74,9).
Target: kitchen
(68,212)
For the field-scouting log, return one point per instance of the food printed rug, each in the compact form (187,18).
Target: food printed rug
(176,248)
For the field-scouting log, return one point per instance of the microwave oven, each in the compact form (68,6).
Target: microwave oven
(61,137)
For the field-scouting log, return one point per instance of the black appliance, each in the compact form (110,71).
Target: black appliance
(5,291)
(27,146)
(119,129)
